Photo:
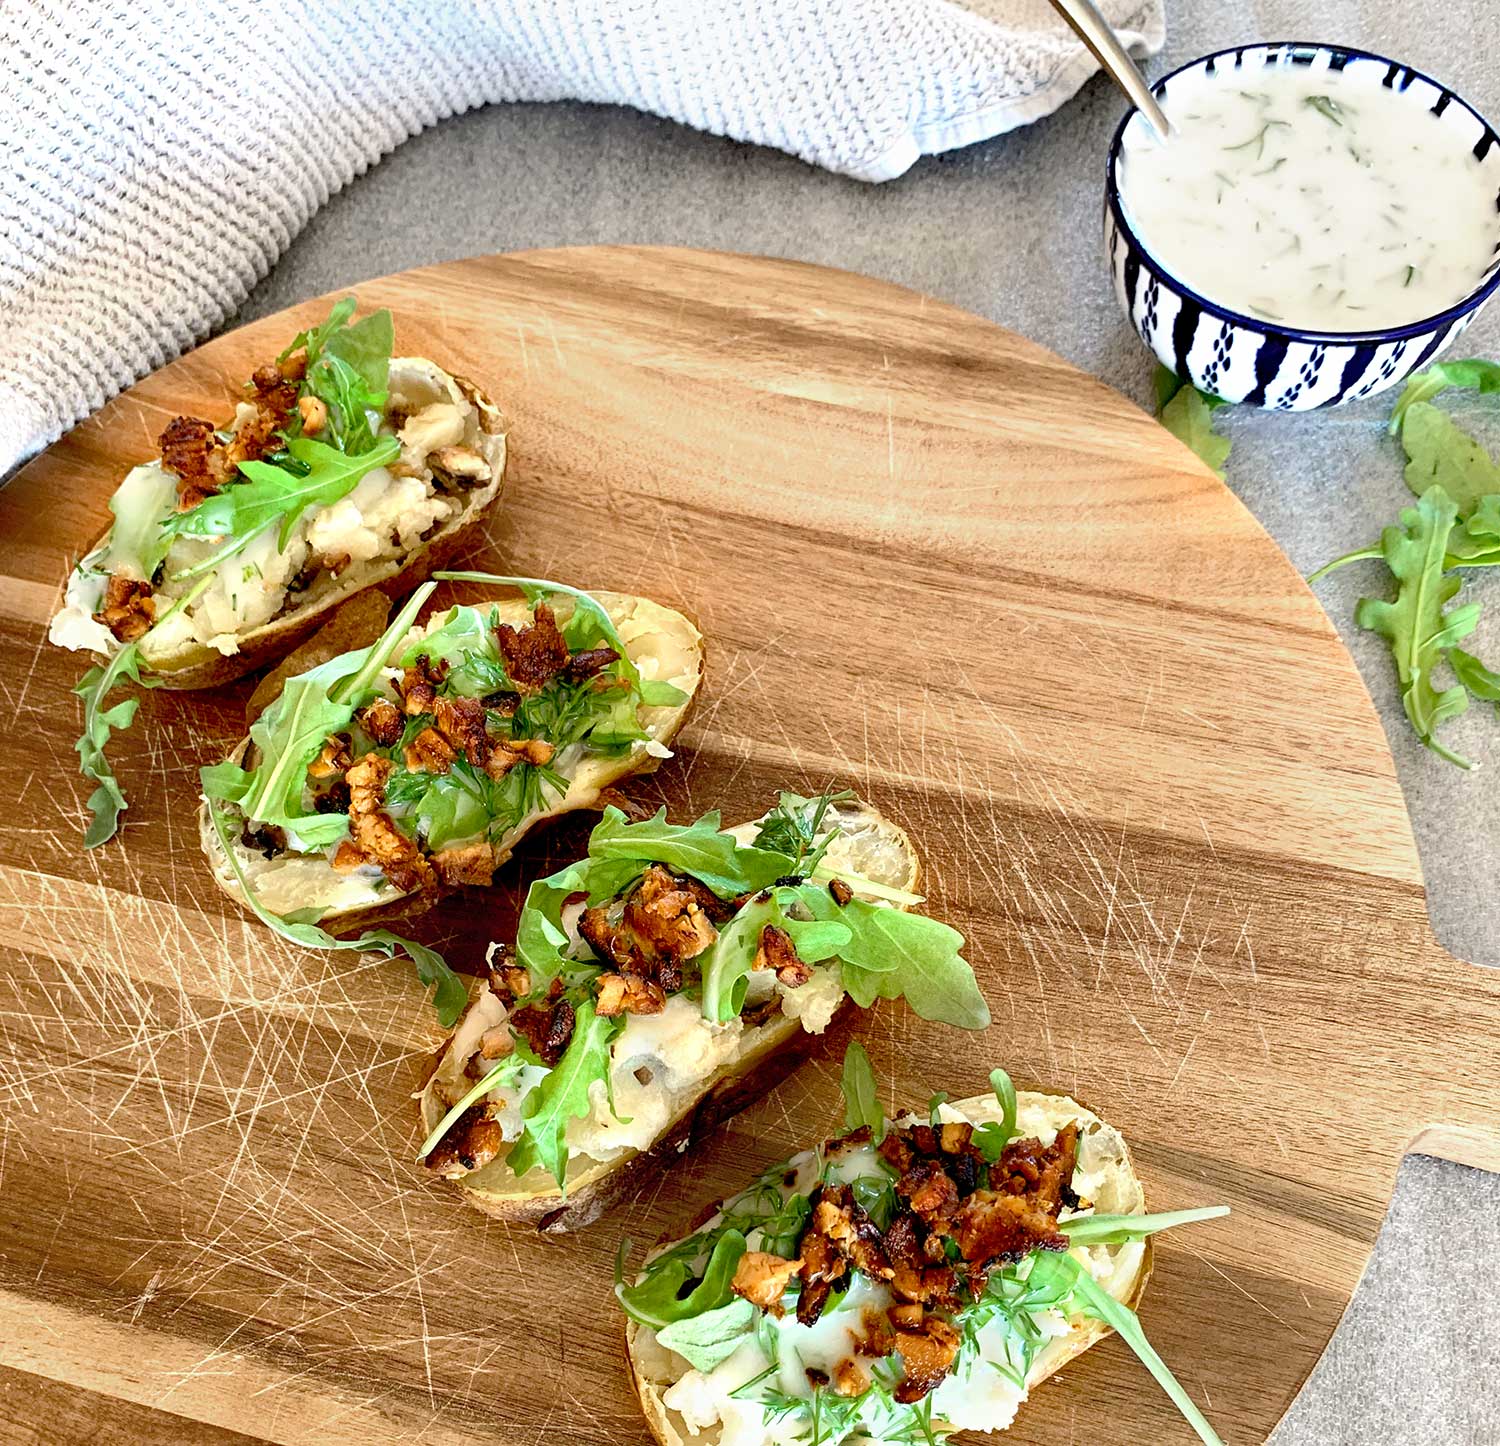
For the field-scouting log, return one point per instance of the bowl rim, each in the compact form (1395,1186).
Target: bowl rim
(1468,303)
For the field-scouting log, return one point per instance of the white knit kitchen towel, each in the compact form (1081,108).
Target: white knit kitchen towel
(157,156)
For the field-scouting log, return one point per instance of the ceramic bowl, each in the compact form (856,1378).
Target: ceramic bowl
(1261,363)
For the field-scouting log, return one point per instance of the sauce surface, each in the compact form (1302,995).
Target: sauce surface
(1315,198)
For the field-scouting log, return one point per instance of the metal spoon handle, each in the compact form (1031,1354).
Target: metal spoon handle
(1096,33)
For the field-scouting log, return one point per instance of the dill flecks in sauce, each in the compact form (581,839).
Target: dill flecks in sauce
(1314,198)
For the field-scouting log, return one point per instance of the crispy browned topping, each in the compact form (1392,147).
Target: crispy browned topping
(332,762)
(546,1027)
(927,1352)
(628,994)
(776,951)
(202,463)
(850,1378)
(536,653)
(660,926)
(841,892)
(471,863)
(952,1203)
(461,722)
(128,609)
(509,981)
(762,1279)
(510,751)
(373,834)
(382,720)
(314,413)
(190,450)
(472,1141)
(429,752)
(588,664)
(419,685)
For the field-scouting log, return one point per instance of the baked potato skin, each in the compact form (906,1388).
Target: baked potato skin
(1080,1337)
(602,773)
(198,665)
(772,1059)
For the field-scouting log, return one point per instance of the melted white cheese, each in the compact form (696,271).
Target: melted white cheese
(1316,198)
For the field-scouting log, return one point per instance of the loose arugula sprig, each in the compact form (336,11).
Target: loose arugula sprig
(1455,524)
(449,992)
(107,801)
(1187,414)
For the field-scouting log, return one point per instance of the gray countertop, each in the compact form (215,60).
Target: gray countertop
(1009,229)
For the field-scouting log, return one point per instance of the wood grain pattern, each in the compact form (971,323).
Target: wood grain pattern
(932,562)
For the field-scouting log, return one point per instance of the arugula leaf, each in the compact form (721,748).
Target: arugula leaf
(1190,420)
(271,493)
(861,1097)
(107,801)
(657,1300)
(562,1094)
(893,955)
(1481,682)
(727,962)
(1415,623)
(1474,375)
(315,338)
(1092,1299)
(138,539)
(450,993)
(698,848)
(705,1341)
(1442,454)
(994,1135)
(311,708)
(1117,1229)
(1475,542)
(350,375)
(934,1104)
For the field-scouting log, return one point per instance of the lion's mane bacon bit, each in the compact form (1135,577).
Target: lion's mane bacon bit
(472,863)
(472,1141)
(128,609)
(202,464)
(535,654)
(419,685)
(762,1279)
(374,837)
(383,721)
(661,925)
(546,1027)
(776,951)
(927,1352)
(628,994)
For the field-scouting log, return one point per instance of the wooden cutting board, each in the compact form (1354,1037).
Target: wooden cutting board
(932,562)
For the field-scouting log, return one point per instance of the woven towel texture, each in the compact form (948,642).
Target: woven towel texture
(157,157)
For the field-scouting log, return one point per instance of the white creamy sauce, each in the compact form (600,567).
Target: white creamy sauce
(1316,198)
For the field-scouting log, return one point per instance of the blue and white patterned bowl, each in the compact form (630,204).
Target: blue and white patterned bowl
(1245,359)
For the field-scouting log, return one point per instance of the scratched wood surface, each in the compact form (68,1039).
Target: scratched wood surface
(932,562)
